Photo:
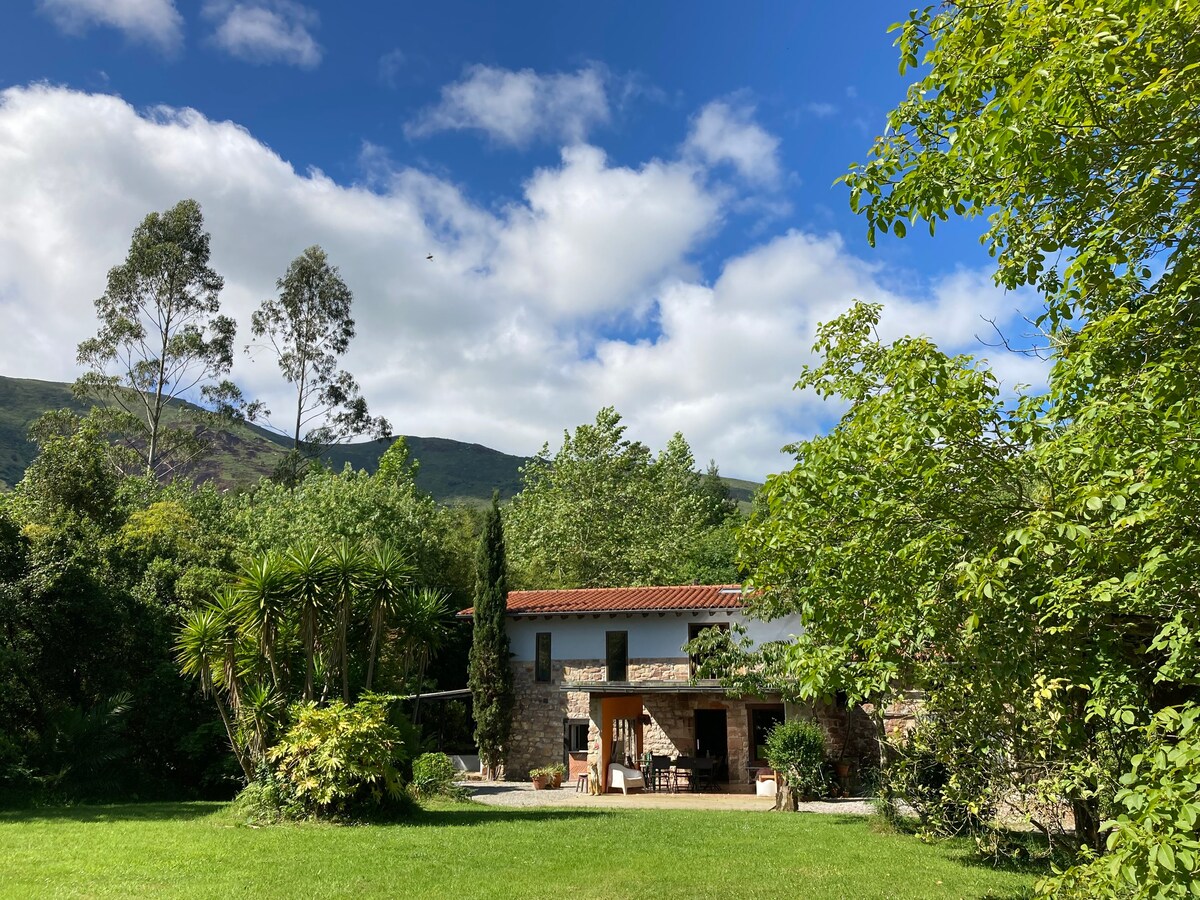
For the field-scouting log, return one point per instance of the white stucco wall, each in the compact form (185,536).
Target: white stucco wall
(651,636)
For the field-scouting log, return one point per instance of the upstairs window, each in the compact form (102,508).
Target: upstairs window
(541,665)
(616,655)
(694,630)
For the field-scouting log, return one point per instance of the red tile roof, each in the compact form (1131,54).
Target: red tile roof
(631,599)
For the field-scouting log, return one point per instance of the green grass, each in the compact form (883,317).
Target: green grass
(468,850)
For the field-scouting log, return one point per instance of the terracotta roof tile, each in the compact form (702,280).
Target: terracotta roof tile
(630,599)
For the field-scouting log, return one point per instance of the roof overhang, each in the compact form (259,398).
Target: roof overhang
(629,688)
(597,613)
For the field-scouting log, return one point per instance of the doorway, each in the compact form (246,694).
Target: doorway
(712,739)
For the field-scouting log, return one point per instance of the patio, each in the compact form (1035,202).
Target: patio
(518,793)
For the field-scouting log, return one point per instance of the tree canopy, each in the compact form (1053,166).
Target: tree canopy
(605,511)
(1030,563)
(161,337)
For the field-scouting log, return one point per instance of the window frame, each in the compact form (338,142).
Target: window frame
(540,674)
(609,636)
(694,629)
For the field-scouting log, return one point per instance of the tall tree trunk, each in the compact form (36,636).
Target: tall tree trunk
(376,628)
(237,750)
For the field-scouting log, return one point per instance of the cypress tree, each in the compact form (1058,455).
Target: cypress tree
(490,676)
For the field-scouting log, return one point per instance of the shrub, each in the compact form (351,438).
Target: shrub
(920,772)
(1154,842)
(433,774)
(796,750)
(339,759)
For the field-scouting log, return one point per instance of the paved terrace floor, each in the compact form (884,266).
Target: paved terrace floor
(519,793)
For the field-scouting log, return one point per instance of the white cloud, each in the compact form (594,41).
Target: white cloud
(517,108)
(389,67)
(266,31)
(501,338)
(726,133)
(155,22)
(820,110)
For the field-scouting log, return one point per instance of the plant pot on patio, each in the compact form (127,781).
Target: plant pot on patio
(540,779)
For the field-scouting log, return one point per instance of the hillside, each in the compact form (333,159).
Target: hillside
(451,471)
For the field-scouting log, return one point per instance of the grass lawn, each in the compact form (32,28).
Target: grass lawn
(469,850)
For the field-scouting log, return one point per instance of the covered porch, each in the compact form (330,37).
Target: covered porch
(713,741)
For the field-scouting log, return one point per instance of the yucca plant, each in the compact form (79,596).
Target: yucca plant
(311,582)
(200,651)
(388,573)
(264,590)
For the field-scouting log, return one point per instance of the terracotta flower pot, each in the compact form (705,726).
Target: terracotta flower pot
(539,782)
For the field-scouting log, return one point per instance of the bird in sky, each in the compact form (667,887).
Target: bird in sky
(430,256)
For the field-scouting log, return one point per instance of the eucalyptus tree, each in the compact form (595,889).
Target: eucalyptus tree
(161,336)
(308,328)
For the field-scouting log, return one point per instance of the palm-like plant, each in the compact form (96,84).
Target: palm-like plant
(259,717)
(263,589)
(309,577)
(424,627)
(347,570)
(388,573)
(200,651)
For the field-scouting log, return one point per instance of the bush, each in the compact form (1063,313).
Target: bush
(1154,842)
(920,773)
(796,750)
(340,760)
(433,775)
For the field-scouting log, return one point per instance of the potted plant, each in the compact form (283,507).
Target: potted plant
(555,773)
(540,779)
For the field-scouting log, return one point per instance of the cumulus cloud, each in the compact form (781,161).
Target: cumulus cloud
(155,22)
(726,133)
(266,31)
(505,336)
(519,107)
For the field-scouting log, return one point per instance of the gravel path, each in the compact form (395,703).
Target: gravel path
(515,793)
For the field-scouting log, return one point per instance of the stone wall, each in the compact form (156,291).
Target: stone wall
(542,707)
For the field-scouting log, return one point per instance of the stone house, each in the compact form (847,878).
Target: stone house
(603,671)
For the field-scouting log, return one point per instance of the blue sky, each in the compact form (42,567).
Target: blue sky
(628,204)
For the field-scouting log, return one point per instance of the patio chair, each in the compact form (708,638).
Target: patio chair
(682,769)
(623,777)
(660,773)
(703,774)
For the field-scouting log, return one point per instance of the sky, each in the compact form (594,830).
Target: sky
(627,204)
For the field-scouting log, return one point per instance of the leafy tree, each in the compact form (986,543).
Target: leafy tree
(720,505)
(161,336)
(308,327)
(490,674)
(1028,564)
(604,511)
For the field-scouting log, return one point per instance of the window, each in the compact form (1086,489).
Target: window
(762,720)
(541,665)
(577,736)
(694,629)
(616,655)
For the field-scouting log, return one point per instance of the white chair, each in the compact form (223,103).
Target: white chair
(623,777)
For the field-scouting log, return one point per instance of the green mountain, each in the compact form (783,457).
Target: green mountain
(450,471)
